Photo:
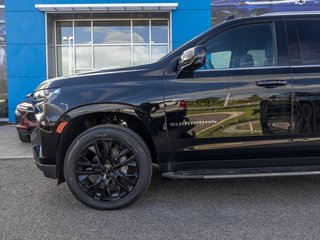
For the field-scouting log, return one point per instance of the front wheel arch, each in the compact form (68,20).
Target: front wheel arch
(82,123)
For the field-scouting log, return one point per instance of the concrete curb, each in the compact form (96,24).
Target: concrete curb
(4,158)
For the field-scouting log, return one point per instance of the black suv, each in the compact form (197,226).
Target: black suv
(240,100)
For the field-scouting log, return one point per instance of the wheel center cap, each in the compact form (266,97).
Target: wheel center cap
(107,167)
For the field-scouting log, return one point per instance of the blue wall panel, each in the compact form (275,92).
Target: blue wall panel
(22,5)
(189,20)
(29,29)
(18,87)
(26,60)
(26,49)
(187,24)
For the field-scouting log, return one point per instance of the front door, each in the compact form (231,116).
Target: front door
(236,110)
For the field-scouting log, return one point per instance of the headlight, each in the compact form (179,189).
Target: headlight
(45,96)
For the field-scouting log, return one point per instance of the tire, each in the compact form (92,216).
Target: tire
(97,148)
(23,137)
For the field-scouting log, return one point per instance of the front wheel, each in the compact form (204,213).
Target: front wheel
(108,167)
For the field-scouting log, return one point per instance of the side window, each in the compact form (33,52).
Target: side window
(309,39)
(242,47)
(220,59)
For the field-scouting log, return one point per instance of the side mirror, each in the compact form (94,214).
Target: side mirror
(192,59)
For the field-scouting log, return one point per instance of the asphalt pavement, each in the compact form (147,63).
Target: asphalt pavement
(34,207)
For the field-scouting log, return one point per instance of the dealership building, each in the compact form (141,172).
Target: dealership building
(41,39)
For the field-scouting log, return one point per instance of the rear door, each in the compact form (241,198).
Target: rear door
(304,49)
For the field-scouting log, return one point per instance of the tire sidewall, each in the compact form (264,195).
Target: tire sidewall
(117,133)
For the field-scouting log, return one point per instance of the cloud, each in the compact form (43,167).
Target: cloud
(112,56)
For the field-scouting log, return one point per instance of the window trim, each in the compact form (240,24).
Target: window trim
(242,69)
(308,66)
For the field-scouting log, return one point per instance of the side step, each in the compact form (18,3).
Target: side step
(223,173)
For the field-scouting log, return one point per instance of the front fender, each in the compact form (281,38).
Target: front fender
(137,112)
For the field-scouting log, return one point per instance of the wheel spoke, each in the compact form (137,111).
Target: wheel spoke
(86,164)
(118,191)
(120,147)
(125,162)
(85,182)
(105,190)
(132,175)
(120,185)
(122,154)
(97,186)
(97,150)
(88,172)
(106,148)
(89,188)
(126,178)
(85,158)
(109,193)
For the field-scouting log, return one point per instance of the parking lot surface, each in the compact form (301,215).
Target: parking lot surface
(10,145)
(33,207)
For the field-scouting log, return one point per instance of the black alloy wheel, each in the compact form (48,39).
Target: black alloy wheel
(108,167)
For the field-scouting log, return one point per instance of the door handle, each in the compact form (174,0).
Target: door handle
(271,83)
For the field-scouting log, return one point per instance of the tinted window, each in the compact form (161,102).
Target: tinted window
(242,47)
(309,38)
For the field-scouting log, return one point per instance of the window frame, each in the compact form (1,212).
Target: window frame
(274,35)
(73,46)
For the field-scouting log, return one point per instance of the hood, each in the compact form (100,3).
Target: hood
(115,70)
(51,83)
(103,76)
(120,75)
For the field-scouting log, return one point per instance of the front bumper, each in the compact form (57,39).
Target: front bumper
(44,159)
(49,171)
(25,123)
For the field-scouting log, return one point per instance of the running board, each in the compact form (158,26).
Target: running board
(225,173)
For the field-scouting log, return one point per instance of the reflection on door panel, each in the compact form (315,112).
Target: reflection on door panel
(306,104)
(201,106)
(276,114)
(306,112)
(223,117)
(247,109)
